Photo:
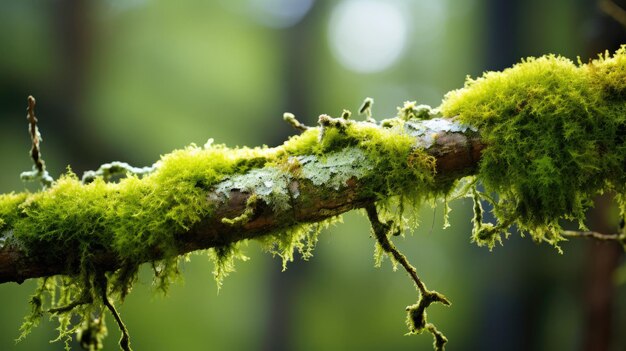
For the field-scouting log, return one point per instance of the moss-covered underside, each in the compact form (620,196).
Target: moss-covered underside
(550,136)
(557,138)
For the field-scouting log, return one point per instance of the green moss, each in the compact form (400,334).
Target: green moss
(9,213)
(555,134)
(300,238)
(485,234)
(301,144)
(247,213)
(223,258)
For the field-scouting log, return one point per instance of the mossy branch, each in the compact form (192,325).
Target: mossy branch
(306,200)
(214,197)
(541,140)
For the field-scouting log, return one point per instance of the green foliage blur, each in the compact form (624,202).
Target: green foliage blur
(130,80)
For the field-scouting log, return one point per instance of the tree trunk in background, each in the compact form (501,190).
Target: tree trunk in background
(599,295)
(72,27)
(72,21)
(284,285)
(508,315)
(74,24)
(602,258)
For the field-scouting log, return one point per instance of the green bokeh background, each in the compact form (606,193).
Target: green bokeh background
(130,80)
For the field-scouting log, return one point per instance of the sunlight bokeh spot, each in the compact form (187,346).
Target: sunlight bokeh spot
(366,35)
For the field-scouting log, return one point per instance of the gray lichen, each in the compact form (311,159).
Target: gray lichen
(41,175)
(273,185)
(335,169)
(270,184)
(426,131)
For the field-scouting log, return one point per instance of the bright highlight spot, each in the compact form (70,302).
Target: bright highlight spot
(367,35)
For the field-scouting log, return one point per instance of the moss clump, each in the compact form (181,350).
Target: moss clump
(555,134)
(223,258)
(9,212)
(135,219)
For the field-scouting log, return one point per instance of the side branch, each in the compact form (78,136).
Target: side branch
(619,237)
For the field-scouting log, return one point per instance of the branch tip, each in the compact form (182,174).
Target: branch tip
(125,339)
(39,168)
(346,114)
(619,237)
(291,119)
(366,109)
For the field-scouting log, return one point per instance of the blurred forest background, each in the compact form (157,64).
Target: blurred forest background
(129,80)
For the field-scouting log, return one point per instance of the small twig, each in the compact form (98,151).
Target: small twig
(416,314)
(440,339)
(70,306)
(39,168)
(109,170)
(34,134)
(328,121)
(291,119)
(380,231)
(366,109)
(594,235)
(103,284)
(346,114)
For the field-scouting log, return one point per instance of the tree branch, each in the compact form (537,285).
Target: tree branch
(456,150)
